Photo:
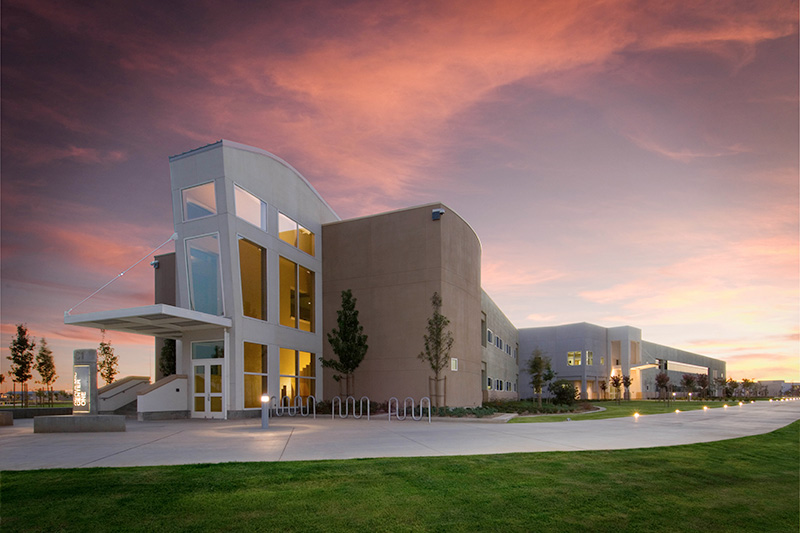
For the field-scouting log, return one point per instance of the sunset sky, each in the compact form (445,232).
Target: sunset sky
(623,162)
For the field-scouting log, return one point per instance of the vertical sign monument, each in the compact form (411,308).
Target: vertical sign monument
(84,382)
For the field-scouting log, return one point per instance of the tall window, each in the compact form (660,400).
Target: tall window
(205,281)
(297,374)
(199,201)
(255,374)
(573,358)
(589,358)
(253,269)
(296,295)
(250,208)
(293,233)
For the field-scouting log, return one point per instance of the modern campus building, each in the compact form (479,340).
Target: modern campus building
(588,355)
(256,278)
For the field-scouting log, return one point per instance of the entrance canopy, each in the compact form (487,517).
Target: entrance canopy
(159,320)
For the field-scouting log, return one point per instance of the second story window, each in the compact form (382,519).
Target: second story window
(205,281)
(293,233)
(250,208)
(199,201)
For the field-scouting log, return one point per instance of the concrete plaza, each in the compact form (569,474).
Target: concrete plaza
(296,439)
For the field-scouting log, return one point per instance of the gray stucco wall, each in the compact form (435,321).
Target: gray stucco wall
(500,365)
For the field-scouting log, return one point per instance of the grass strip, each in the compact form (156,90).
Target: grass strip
(625,408)
(744,484)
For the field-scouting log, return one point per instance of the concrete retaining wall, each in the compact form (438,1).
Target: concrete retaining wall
(30,412)
(78,423)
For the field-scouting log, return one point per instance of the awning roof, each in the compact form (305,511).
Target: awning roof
(160,320)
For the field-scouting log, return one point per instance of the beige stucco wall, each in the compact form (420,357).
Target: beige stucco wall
(394,262)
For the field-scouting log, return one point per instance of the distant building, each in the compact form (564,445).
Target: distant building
(256,279)
(588,355)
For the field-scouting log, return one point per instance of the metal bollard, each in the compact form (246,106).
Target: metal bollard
(265,411)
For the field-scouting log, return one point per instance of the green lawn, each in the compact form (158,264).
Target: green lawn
(746,484)
(612,410)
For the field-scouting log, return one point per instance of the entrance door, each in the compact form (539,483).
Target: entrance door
(207,390)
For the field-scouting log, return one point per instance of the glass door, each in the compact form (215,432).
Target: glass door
(207,401)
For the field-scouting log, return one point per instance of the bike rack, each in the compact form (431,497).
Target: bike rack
(289,408)
(405,408)
(347,402)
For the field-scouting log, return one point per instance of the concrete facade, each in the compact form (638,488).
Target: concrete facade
(588,355)
(394,263)
(256,278)
(499,353)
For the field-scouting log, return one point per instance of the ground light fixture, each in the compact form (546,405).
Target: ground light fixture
(636,416)
(725,406)
(677,410)
(705,408)
(741,404)
(265,411)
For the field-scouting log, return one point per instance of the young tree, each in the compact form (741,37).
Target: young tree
(662,383)
(747,386)
(688,381)
(626,382)
(107,362)
(616,382)
(604,387)
(730,387)
(21,358)
(166,360)
(540,371)
(702,382)
(46,367)
(348,343)
(720,384)
(438,342)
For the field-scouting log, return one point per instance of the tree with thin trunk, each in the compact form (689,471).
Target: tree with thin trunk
(616,382)
(720,383)
(438,342)
(626,382)
(702,382)
(747,386)
(21,362)
(46,367)
(687,382)
(540,371)
(730,387)
(348,342)
(662,384)
(107,362)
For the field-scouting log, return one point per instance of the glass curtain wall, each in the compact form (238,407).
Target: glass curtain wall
(253,268)
(296,295)
(205,280)
(199,201)
(297,374)
(255,374)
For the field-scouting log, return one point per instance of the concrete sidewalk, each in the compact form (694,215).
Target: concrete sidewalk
(296,439)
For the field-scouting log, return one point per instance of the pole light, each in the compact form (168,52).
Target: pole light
(265,411)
